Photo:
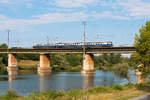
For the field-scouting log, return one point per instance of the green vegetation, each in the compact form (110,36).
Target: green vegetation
(73,62)
(3,60)
(67,62)
(114,92)
(106,61)
(142,45)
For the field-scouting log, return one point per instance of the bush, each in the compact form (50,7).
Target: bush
(116,87)
(10,94)
(97,90)
(74,93)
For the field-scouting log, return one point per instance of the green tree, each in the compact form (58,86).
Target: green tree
(107,60)
(28,57)
(4,45)
(4,58)
(74,59)
(58,62)
(142,45)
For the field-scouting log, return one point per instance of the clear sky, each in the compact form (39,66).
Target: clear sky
(32,21)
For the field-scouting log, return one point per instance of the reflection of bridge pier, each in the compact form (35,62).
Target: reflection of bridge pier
(11,78)
(88,81)
(10,82)
(44,83)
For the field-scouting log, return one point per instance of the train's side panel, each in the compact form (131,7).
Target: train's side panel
(105,44)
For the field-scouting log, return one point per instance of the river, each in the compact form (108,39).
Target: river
(25,84)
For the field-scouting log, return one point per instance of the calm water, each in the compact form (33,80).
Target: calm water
(25,84)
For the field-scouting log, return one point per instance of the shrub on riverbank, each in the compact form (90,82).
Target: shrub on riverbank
(114,92)
(11,94)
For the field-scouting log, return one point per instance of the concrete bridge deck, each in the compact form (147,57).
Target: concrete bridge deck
(75,50)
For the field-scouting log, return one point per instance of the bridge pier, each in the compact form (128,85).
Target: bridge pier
(44,69)
(12,68)
(88,64)
(140,79)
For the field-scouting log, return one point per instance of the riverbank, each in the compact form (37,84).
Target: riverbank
(114,92)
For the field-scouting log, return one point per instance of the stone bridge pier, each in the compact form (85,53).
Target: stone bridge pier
(12,64)
(44,68)
(140,79)
(88,64)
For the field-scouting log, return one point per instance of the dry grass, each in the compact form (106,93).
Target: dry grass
(28,63)
(119,95)
(99,93)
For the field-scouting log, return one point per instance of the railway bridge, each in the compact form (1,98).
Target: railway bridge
(45,69)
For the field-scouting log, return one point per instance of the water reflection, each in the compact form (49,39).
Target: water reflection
(11,78)
(88,81)
(105,78)
(25,84)
(44,83)
(10,82)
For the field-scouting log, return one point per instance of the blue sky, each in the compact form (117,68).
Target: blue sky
(32,21)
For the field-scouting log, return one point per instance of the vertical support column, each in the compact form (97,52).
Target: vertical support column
(44,68)
(140,79)
(12,64)
(88,64)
